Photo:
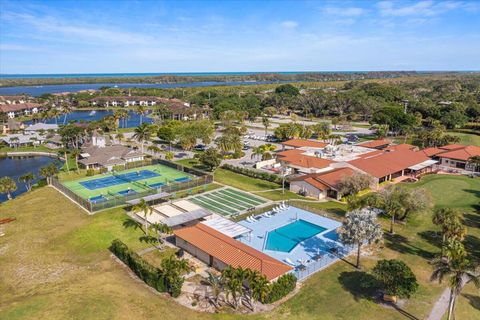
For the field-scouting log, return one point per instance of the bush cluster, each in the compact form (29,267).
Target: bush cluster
(253,173)
(280,288)
(153,276)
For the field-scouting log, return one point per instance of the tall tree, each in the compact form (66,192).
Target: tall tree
(144,207)
(458,272)
(266,123)
(7,185)
(360,227)
(142,133)
(27,178)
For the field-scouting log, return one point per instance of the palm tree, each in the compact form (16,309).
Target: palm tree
(162,230)
(360,227)
(15,141)
(216,283)
(233,279)
(7,185)
(141,111)
(48,172)
(153,149)
(257,286)
(143,206)
(55,113)
(64,151)
(66,109)
(452,227)
(142,133)
(27,178)
(257,152)
(76,153)
(267,150)
(459,272)
(266,123)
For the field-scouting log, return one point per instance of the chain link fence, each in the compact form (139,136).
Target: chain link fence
(201,178)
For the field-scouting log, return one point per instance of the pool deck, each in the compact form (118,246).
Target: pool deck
(305,250)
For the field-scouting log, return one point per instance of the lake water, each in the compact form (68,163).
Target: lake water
(76,116)
(14,167)
(58,88)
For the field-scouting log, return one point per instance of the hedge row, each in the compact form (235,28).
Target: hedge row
(151,275)
(253,173)
(280,288)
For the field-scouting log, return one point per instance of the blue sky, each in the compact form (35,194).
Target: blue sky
(208,36)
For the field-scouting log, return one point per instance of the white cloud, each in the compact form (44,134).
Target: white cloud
(344,11)
(421,8)
(289,24)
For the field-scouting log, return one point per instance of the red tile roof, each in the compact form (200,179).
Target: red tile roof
(231,251)
(430,152)
(18,107)
(375,143)
(299,143)
(296,157)
(464,153)
(387,163)
(452,146)
(402,146)
(325,180)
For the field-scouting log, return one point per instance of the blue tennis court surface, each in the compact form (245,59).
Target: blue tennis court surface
(97,199)
(118,179)
(126,192)
(156,185)
(183,179)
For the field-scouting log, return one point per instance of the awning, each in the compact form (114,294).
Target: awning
(227,227)
(152,197)
(422,165)
(186,217)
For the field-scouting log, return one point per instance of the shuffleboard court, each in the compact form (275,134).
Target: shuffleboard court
(99,188)
(227,201)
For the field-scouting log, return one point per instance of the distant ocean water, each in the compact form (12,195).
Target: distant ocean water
(116,75)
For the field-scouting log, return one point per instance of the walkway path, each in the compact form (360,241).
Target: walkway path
(441,306)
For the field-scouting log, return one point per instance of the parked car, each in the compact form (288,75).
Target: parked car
(200,147)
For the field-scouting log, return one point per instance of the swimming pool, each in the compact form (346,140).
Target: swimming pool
(286,238)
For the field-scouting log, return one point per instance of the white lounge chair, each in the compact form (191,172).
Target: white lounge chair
(267,215)
(249,219)
(290,262)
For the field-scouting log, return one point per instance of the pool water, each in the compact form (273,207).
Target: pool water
(286,238)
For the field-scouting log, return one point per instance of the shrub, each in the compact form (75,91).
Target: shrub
(102,170)
(90,172)
(253,173)
(149,274)
(280,288)
(396,278)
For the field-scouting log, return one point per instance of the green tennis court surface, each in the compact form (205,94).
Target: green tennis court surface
(227,201)
(127,181)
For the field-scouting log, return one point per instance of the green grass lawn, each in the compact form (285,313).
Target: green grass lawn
(260,187)
(55,265)
(467,136)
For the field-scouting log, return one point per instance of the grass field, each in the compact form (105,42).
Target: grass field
(166,175)
(470,137)
(227,201)
(55,265)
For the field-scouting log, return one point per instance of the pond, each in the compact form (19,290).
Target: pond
(94,115)
(15,167)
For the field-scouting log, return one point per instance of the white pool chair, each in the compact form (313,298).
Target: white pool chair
(267,215)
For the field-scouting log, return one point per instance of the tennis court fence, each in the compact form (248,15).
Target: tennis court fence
(202,178)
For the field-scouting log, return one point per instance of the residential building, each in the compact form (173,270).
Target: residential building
(376,144)
(458,157)
(11,125)
(320,185)
(23,139)
(99,153)
(219,251)
(20,109)
(42,127)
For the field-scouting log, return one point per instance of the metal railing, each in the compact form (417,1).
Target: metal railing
(201,178)
(307,269)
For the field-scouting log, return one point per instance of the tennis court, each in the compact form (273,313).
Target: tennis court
(227,201)
(100,188)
